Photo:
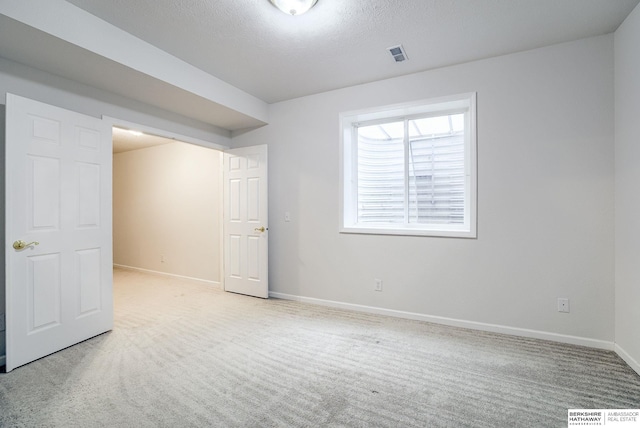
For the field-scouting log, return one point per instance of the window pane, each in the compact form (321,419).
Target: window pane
(381,173)
(430,126)
(457,122)
(436,170)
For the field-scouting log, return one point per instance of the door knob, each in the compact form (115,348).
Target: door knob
(21,245)
(259,229)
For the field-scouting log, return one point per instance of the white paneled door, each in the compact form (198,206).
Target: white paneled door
(58,251)
(245,221)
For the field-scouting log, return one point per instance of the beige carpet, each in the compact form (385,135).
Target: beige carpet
(185,355)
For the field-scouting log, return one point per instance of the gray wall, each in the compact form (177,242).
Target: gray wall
(627,149)
(545,200)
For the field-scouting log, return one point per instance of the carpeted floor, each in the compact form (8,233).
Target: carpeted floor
(185,355)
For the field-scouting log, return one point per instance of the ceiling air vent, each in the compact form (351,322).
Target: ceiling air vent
(398,53)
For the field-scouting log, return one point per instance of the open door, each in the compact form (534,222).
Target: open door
(59,277)
(245,221)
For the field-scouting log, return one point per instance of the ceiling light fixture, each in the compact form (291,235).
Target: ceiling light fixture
(294,7)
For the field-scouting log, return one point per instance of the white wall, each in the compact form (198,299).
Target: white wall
(627,195)
(545,199)
(167,204)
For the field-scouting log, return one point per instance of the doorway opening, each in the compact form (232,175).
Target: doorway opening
(167,206)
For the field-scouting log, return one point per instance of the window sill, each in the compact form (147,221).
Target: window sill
(438,233)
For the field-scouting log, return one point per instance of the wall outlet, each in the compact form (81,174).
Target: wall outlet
(563,305)
(378,285)
(161,258)
(2,324)
(287,216)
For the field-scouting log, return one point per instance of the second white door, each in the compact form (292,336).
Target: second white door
(246,221)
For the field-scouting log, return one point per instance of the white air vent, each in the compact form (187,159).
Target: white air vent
(398,53)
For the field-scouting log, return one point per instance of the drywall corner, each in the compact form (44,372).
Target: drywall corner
(627,201)
(3,342)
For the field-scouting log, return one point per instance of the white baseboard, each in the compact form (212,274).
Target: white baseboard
(494,328)
(215,284)
(635,365)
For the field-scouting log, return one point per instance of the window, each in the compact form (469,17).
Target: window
(410,169)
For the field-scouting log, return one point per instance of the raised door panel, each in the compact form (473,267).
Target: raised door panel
(88,281)
(44,292)
(43,193)
(88,192)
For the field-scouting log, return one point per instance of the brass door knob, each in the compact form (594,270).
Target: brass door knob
(21,245)
(259,229)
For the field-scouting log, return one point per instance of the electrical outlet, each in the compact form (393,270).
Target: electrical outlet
(378,285)
(2,325)
(563,305)
(162,258)
(287,216)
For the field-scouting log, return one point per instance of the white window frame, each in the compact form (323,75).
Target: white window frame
(348,166)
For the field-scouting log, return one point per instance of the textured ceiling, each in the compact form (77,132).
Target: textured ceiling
(339,43)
